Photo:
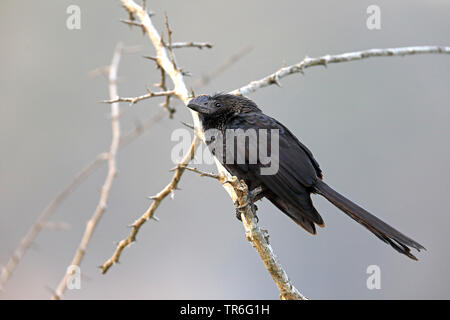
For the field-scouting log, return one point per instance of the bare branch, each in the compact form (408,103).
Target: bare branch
(169,42)
(167,64)
(162,86)
(257,236)
(260,240)
(80,177)
(169,189)
(199,45)
(161,51)
(201,173)
(134,100)
(275,77)
(112,170)
(187,125)
(131,23)
(177,78)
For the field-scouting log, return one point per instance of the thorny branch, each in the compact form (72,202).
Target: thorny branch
(275,77)
(162,85)
(199,45)
(287,290)
(181,91)
(80,177)
(257,236)
(133,100)
(202,173)
(260,240)
(169,42)
(165,60)
(112,171)
(135,227)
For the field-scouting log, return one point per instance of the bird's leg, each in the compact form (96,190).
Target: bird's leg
(252,196)
(255,195)
(239,208)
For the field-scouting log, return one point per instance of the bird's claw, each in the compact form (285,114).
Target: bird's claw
(240,207)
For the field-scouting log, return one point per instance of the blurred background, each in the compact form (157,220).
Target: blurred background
(378,127)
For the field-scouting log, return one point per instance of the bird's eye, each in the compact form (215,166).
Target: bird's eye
(217,104)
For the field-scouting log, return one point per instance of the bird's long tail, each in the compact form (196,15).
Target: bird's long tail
(382,230)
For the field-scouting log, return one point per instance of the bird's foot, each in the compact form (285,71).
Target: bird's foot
(240,207)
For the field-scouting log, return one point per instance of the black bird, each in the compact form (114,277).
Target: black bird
(298,174)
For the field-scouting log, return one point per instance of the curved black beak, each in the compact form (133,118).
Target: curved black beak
(200,104)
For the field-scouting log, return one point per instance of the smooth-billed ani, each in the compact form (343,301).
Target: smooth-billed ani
(298,174)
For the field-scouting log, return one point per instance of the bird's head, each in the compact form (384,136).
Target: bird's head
(221,105)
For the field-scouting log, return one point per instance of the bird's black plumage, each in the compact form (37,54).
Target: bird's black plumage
(298,174)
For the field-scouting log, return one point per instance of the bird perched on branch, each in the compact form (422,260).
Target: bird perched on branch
(243,139)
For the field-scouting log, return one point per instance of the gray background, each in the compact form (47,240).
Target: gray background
(379,128)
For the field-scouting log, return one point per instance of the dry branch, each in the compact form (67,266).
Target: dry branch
(112,170)
(181,91)
(199,45)
(257,236)
(169,43)
(149,213)
(148,95)
(260,240)
(165,60)
(131,23)
(80,177)
(275,77)
(202,173)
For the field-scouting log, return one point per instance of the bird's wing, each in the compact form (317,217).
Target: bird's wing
(297,170)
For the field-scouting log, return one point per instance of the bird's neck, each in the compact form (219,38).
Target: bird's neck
(217,122)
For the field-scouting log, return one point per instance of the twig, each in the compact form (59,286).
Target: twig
(169,42)
(131,23)
(148,95)
(162,86)
(199,45)
(169,189)
(202,173)
(275,77)
(112,170)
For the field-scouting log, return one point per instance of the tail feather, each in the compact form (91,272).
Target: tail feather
(382,230)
